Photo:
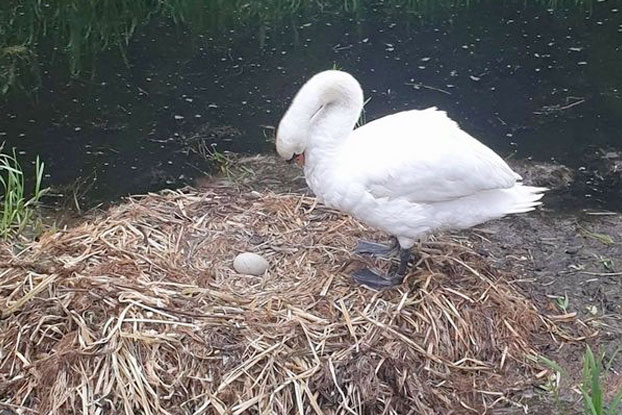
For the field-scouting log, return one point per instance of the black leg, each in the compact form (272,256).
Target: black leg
(373,280)
(404,258)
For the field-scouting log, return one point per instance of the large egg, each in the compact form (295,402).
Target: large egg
(250,263)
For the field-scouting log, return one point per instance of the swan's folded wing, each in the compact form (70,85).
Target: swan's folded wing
(426,158)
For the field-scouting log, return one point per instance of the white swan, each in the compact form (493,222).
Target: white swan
(407,174)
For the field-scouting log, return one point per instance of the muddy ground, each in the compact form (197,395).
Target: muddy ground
(567,256)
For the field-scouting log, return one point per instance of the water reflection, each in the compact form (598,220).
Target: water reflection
(527,80)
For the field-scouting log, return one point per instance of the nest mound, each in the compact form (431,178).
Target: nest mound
(140,311)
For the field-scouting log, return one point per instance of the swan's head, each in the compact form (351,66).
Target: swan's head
(291,140)
(327,106)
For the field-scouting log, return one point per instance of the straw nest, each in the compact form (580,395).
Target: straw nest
(138,310)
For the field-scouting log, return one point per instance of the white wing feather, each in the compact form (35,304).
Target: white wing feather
(421,156)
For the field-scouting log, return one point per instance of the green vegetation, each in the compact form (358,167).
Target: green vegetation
(552,384)
(591,386)
(73,33)
(601,237)
(16,210)
(217,158)
(563,302)
(224,162)
(17,68)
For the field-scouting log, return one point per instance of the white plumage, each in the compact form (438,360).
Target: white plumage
(408,174)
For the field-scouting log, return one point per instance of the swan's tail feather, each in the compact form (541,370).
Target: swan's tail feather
(524,198)
(478,208)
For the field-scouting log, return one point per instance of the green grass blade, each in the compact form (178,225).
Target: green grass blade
(591,387)
(16,214)
(615,406)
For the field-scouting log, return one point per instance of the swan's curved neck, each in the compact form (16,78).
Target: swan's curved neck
(327,108)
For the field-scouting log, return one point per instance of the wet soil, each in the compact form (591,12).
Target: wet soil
(569,256)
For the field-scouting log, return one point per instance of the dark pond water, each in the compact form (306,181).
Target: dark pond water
(526,80)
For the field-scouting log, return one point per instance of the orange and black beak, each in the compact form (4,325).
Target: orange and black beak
(299,159)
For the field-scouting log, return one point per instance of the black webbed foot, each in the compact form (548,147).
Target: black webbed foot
(367,277)
(373,248)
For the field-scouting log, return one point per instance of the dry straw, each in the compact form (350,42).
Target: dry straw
(138,311)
